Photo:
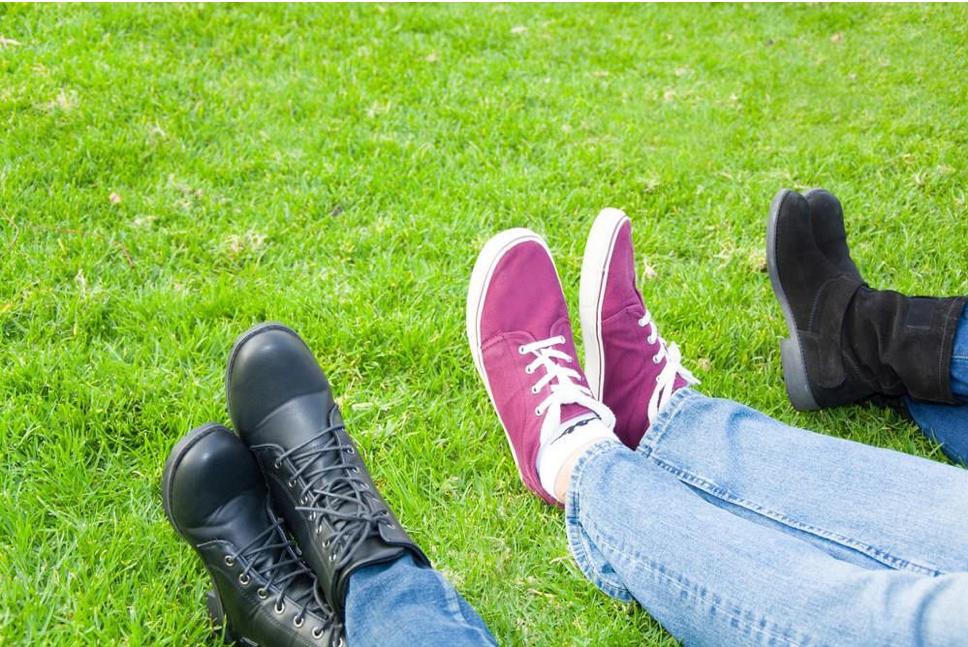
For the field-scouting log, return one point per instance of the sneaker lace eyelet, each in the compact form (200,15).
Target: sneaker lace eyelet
(534,390)
(521,349)
(655,359)
(529,370)
(537,411)
(229,560)
(277,464)
(297,622)
(292,483)
(280,608)
(244,579)
(262,593)
(332,557)
(317,632)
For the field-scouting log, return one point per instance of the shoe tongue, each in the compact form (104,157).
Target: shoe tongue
(244,520)
(572,411)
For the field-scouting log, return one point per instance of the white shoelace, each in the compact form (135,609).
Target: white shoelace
(564,386)
(666,379)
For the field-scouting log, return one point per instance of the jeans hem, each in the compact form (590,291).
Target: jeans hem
(577,539)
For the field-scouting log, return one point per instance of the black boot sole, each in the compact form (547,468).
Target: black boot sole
(220,622)
(791,354)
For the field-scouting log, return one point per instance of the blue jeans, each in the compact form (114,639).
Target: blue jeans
(944,423)
(406,605)
(731,528)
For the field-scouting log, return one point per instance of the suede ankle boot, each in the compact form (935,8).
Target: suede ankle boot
(847,341)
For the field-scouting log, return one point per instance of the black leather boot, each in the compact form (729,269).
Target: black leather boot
(263,594)
(848,342)
(282,407)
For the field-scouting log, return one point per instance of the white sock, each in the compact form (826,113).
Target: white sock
(570,435)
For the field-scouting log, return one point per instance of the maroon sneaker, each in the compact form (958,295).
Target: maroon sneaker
(630,368)
(520,337)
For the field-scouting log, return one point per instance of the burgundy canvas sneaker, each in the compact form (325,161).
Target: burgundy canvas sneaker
(520,337)
(630,368)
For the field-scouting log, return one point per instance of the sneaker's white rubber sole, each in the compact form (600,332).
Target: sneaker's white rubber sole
(591,292)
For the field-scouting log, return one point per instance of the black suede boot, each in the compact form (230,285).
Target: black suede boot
(283,408)
(827,222)
(848,342)
(216,499)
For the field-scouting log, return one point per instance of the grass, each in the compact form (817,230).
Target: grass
(171,175)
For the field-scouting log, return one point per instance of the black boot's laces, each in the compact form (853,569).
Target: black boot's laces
(335,494)
(272,556)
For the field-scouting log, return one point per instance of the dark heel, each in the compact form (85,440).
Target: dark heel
(220,622)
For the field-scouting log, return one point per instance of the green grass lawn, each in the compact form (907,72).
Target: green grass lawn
(171,175)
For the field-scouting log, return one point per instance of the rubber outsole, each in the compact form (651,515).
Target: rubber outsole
(591,291)
(791,352)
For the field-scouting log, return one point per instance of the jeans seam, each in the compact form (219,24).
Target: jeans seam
(576,534)
(728,613)
(453,606)
(879,555)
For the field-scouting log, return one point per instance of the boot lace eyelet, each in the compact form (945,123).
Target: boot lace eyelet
(297,622)
(332,557)
(229,560)
(349,450)
(262,593)
(280,608)
(292,483)
(277,464)
(244,579)
(317,632)
(356,470)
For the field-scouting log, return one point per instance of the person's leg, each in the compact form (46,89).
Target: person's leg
(947,424)
(402,603)
(711,577)
(864,504)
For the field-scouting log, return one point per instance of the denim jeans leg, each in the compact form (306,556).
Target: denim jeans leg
(863,503)
(401,604)
(947,424)
(711,576)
